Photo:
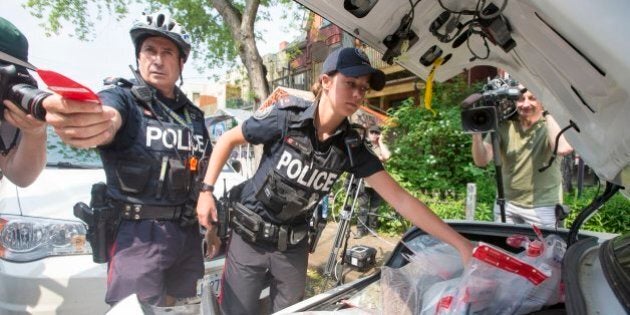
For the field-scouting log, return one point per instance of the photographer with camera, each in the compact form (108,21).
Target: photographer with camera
(154,146)
(526,142)
(22,137)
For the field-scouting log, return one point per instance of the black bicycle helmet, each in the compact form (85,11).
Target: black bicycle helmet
(160,24)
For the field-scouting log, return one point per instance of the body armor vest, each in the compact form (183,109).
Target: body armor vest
(150,171)
(300,176)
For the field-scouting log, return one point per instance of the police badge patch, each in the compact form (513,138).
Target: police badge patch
(262,113)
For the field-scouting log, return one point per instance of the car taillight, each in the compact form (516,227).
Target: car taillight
(25,239)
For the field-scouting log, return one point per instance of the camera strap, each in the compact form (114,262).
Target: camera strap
(5,137)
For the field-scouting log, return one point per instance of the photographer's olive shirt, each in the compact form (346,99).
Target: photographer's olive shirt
(523,152)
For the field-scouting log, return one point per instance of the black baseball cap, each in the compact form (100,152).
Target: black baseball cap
(353,62)
(13,45)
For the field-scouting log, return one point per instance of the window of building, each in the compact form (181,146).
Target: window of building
(300,81)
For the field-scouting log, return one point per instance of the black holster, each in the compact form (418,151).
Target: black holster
(253,228)
(224,209)
(316,228)
(102,220)
(188,216)
(223,217)
(245,222)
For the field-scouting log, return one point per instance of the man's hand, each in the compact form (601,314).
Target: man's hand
(385,153)
(481,151)
(82,124)
(207,210)
(23,121)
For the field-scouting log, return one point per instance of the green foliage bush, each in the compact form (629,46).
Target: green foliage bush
(431,157)
(613,217)
(430,153)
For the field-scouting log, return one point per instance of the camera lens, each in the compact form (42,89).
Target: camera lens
(479,119)
(29,98)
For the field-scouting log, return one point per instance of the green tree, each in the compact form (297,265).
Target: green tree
(431,153)
(431,157)
(221,29)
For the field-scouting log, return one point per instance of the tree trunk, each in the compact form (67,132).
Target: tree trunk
(253,63)
(242,28)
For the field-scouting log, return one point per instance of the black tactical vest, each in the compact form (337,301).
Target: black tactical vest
(300,176)
(149,171)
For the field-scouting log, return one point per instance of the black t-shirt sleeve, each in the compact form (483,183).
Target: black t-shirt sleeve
(122,101)
(118,99)
(366,163)
(265,126)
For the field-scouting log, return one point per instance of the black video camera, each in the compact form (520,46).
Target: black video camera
(19,87)
(482,112)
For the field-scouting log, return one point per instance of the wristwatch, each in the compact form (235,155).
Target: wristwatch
(206,187)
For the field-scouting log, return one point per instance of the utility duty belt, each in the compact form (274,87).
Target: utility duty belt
(185,215)
(130,211)
(252,227)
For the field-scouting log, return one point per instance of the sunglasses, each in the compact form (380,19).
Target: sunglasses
(375,132)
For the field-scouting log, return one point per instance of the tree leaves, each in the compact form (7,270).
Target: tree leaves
(220,30)
(431,152)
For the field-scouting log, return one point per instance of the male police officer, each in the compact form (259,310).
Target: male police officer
(151,139)
(22,137)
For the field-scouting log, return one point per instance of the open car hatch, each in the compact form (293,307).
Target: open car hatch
(574,55)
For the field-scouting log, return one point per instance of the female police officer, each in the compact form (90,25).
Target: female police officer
(305,151)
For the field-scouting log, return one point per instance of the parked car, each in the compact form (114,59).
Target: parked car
(575,57)
(46,263)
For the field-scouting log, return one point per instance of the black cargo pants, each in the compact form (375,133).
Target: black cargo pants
(245,276)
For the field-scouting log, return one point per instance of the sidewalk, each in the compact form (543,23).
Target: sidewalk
(383,245)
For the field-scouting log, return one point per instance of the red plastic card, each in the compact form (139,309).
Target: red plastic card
(67,87)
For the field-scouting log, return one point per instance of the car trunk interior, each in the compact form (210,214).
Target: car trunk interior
(364,292)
